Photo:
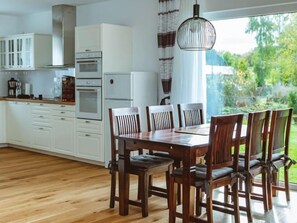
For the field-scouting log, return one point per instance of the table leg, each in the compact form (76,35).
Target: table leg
(188,191)
(124,159)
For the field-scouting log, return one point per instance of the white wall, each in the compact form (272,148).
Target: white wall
(8,25)
(36,23)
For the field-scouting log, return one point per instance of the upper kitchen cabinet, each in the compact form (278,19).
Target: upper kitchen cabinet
(26,51)
(2,53)
(87,38)
(114,41)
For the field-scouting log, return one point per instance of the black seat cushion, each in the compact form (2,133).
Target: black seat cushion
(201,172)
(252,163)
(149,161)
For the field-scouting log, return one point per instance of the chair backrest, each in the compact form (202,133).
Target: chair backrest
(190,114)
(122,121)
(279,131)
(224,135)
(256,136)
(159,117)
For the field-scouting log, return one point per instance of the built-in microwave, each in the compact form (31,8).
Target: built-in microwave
(88,64)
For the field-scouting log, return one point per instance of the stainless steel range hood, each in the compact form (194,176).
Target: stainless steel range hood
(63,25)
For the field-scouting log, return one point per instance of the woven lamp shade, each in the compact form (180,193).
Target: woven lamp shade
(196,33)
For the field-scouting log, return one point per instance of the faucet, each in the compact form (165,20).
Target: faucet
(163,101)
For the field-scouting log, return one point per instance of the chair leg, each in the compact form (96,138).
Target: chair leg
(269,195)
(287,184)
(264,191)
(140,188)
(247,195)
(275,183)
(145,187)
(112,189)
(235,202)
(209,210)
(150,185)
(199,197)
(226,194)
(172,199)
(168,186)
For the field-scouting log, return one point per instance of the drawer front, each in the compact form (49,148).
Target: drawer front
(41,108)
(63,113)
(64,107)
(41,119)
(90,126)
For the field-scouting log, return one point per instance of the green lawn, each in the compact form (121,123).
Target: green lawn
(293,152)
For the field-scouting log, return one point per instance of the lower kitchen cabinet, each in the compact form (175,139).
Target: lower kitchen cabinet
(19,123)
(88,146)
(89,139)
(63,123)
(42,138)
(42,129)
(3,122)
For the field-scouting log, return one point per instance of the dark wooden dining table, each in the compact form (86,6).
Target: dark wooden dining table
(183,143)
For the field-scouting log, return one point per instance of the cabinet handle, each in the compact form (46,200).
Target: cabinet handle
(62,112)
(62,106)
(41,104)
(62,118)
(87,121)
(87,135)
(40,116)
(40,128)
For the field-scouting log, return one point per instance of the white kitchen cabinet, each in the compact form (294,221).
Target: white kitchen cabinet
(42,128)
(19,123)
(63,123)
(87,38)
(114,41)
(27,51)
(3,122)
(89,139)
(3,53)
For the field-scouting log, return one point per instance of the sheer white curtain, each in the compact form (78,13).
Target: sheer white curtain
(188,81)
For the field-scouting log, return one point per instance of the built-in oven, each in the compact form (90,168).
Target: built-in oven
(88,64)
(88,98)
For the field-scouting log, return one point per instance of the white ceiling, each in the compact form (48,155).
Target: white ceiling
(23,7)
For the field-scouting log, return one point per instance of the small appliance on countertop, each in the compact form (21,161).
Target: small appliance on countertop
(11,88)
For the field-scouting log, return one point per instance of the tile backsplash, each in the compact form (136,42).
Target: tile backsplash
(41,82)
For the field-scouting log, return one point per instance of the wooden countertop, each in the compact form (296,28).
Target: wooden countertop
(47,101)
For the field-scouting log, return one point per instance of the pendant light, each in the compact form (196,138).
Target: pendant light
(196,33)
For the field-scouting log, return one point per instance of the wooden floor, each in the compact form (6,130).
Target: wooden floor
(40,188)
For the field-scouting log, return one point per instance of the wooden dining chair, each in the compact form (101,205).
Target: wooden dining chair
(278,153)
(160,117)
(253,161)
(221,169)
(190,114)
(127,121)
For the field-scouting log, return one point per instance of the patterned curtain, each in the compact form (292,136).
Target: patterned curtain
(168,15)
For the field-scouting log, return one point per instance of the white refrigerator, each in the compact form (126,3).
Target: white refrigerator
(122,90)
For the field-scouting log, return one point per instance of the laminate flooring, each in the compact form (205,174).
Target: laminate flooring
(37,188)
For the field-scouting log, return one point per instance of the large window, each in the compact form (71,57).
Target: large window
(253,66)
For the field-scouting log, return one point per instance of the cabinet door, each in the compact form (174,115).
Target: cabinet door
(11,53)
(87,38)
(28,52)
(3,53)
(90,146)
(42,138)
(3,122)
(19,123)
(63,135)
